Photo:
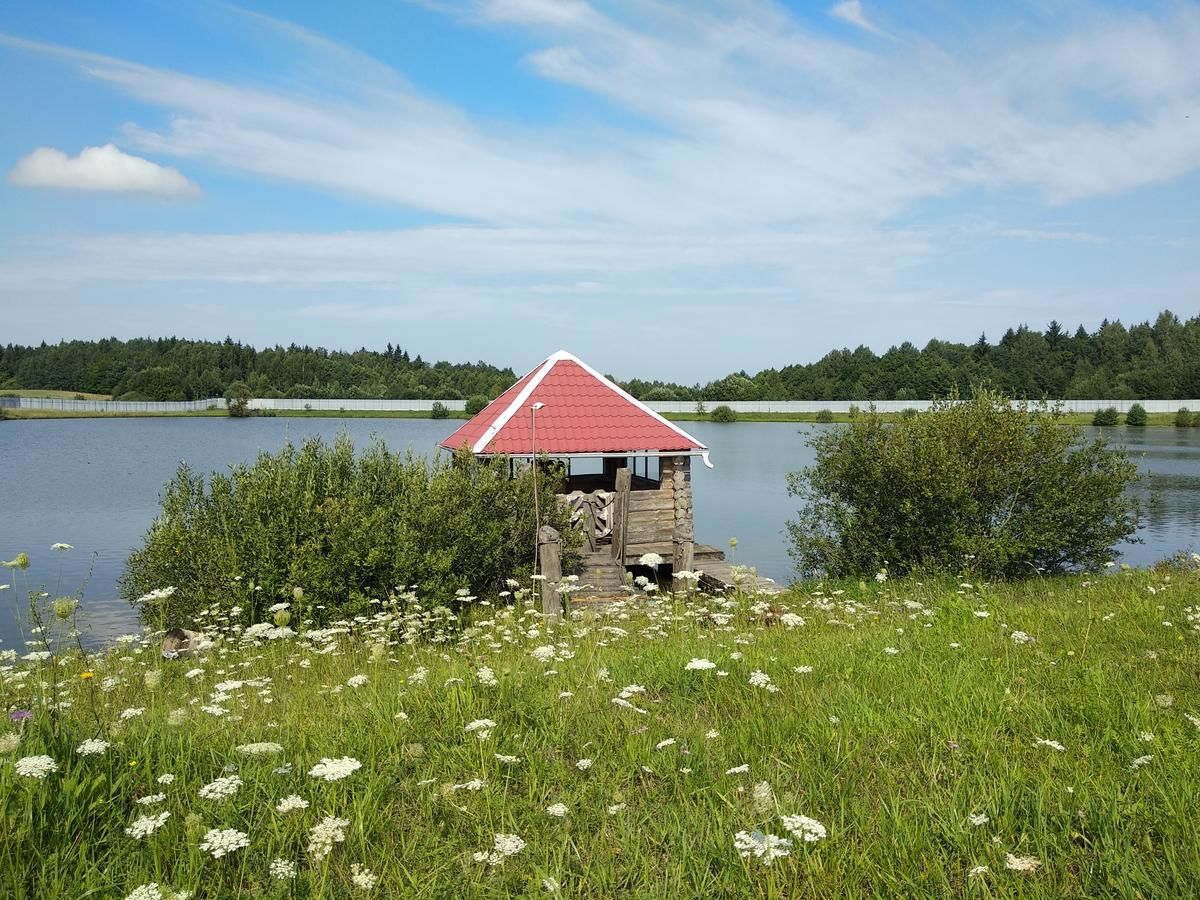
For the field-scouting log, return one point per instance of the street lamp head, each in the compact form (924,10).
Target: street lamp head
(537,405)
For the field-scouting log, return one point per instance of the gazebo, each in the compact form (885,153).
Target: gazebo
(628,468)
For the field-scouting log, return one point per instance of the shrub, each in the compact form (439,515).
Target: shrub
(439,410)
(1183,419)
(700,410)
(1003,490)
(824,416)
(345,528)
(723,413)
(1136,416)
(476,404)
(237,399)
(1106,417)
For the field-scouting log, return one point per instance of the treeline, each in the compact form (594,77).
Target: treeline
(177,369)
(1143,362)
(1148,361)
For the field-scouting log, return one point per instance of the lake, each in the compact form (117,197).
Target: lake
(94,484)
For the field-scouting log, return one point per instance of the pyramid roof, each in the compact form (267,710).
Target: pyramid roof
(581,413)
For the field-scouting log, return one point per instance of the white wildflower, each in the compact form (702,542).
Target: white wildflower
(766,847)
(92,747)
(1022,863)
(282,869)
(803,828)
(481,728)
(583,764)
(220,841)
(558,810)
(978,872)
(131,713)
(151,799)
(1053,745)
(144,825)
(978,819)
(485,676)
(364,879)
(700,665)
(764,797)
(221,789)
(265,748)
(291,803)
(335,769)
(35,766)
(356,681)
(322,836)
(738,770)
(1140,761)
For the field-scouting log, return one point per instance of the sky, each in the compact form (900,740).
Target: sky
(668,190)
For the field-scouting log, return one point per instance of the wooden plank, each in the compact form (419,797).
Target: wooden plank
(640,501)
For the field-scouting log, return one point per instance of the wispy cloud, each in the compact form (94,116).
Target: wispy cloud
(100,169)
(753,119)
(851,12)
(751,160)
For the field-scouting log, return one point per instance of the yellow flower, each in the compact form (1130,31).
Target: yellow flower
(86,675)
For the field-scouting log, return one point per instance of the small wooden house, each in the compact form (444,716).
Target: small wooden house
(628,469)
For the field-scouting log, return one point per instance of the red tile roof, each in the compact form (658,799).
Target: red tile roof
(582,412)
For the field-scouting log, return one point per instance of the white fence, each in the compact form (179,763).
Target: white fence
(843,406)
(112,406)
(662,406)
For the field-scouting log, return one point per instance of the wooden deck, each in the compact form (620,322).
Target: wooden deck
(604,577)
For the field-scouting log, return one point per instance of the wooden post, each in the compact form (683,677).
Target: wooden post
(621,513)
(549,555)
(684,553)
(589,525)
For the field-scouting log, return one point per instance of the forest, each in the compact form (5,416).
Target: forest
(1150,360)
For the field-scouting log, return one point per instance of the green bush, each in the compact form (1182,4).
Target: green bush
(1106,417)
(723,413)
(345,528)
(237,399)
(439,410)
(1136,416)
(824,416)
(1000,490)
(1183,419)
(476,404)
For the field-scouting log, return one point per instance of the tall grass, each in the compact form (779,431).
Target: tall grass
(918,713)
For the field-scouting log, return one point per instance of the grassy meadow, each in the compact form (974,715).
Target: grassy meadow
(879,739)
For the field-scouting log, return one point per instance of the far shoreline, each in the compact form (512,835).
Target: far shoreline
(1153,420)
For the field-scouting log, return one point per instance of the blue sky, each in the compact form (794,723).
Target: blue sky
(674,190)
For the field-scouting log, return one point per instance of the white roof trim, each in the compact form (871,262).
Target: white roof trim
(518,401)
(542,371)
(610,454)
(563,354)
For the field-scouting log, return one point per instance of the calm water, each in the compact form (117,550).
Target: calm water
(94,483)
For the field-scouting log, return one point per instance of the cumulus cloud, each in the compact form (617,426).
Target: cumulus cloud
(100,169)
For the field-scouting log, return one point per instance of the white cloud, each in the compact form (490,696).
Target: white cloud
(851,12)
(100,169)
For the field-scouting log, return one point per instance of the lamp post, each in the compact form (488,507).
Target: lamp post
(537,508)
